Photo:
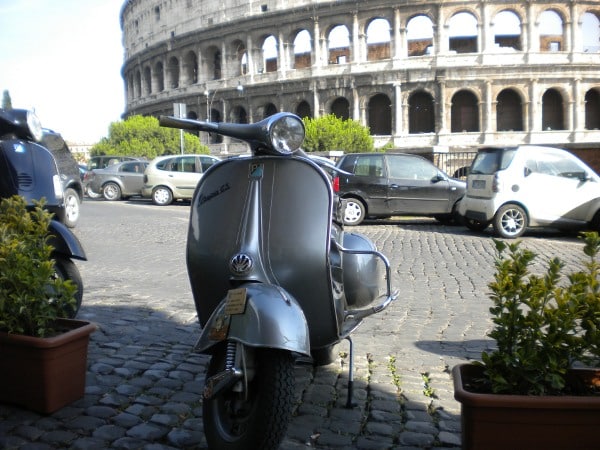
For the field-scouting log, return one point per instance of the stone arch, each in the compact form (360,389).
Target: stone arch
(419,35)
(509,111)
(173,73)
(212,63)
(378,39)
(551,31)
(592,109)
(269,109)
(147,81)
(380,115)
(190,67)
(463,34)
(338,45)
(302,49)
(159,76)
(464,112)
(303,109)
(270,54)
(340,107)
(553,110)
(507,28)
(421,112)
(137,84)
(590,32)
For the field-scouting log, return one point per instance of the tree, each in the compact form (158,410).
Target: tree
(6,101)
(143,136)
(332,133)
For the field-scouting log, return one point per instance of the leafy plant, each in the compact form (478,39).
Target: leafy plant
(333,133)
(543,324)
(32,297)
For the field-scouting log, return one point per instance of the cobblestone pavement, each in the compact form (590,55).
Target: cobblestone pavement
(144,384)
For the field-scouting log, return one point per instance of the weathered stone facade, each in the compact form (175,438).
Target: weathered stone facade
(444,75)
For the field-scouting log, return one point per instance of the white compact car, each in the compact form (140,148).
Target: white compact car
(530,186)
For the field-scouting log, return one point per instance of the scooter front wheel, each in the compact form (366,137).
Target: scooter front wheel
(253,415)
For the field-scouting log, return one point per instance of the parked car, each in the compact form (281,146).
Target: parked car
(69,175)
(389,184)
(103,161)
(169,178)
(118,181)
(514,188)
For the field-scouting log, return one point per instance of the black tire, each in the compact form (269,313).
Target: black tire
(111,192)
(510,221)
(354,211)
(162,196)
(72,207)
(92,194)
(475,225)
(67,270)
(262,412)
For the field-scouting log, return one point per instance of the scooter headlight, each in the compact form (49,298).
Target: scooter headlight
(287,134)
(34,125)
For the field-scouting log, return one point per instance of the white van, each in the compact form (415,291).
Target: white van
(529,186)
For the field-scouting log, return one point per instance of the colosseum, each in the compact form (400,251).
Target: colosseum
(425,76)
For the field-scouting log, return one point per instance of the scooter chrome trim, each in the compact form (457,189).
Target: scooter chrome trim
(271,318)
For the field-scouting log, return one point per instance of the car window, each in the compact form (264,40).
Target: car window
(133,167)
(487,162)
(369,165)
(207,162)
(178,164)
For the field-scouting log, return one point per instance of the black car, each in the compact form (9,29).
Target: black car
(69,175)
(388,184)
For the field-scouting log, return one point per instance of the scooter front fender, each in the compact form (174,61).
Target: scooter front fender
(65,242)
(268,316)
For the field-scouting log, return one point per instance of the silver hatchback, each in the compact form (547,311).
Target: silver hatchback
(169,178)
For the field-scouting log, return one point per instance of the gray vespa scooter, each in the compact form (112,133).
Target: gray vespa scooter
(275,280)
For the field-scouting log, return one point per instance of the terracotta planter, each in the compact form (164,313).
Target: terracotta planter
(45,374)
(493,421)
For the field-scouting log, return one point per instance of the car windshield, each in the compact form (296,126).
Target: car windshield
(489,161)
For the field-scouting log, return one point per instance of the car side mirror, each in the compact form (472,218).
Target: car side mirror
(527,171)
(437,178)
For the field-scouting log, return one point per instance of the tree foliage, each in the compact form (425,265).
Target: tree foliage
(6,100)
(332,133)
(142,136)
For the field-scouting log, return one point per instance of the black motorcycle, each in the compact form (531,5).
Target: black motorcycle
(29,169)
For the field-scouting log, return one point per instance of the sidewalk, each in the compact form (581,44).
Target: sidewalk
(144,384)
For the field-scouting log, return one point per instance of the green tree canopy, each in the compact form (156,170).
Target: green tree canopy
(332,133)
(142,136)
(6,100)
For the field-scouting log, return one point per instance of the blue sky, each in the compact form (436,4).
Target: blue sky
(63,58)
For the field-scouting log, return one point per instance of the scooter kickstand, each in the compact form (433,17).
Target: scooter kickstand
(349,403)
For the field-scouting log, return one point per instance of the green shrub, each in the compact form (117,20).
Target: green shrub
(32,297)
(542,324)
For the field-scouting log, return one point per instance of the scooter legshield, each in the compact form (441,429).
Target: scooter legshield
(258,315)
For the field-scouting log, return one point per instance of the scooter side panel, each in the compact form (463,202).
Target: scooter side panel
(271,318)
(295,204)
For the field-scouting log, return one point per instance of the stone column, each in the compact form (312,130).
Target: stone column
(398,129)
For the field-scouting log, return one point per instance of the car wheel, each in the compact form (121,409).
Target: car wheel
(92,194)
(162,196)
(354,211)
(510,221)
(72,207)
(111,191)
(475,225)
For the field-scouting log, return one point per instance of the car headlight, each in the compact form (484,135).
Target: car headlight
(286,133)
